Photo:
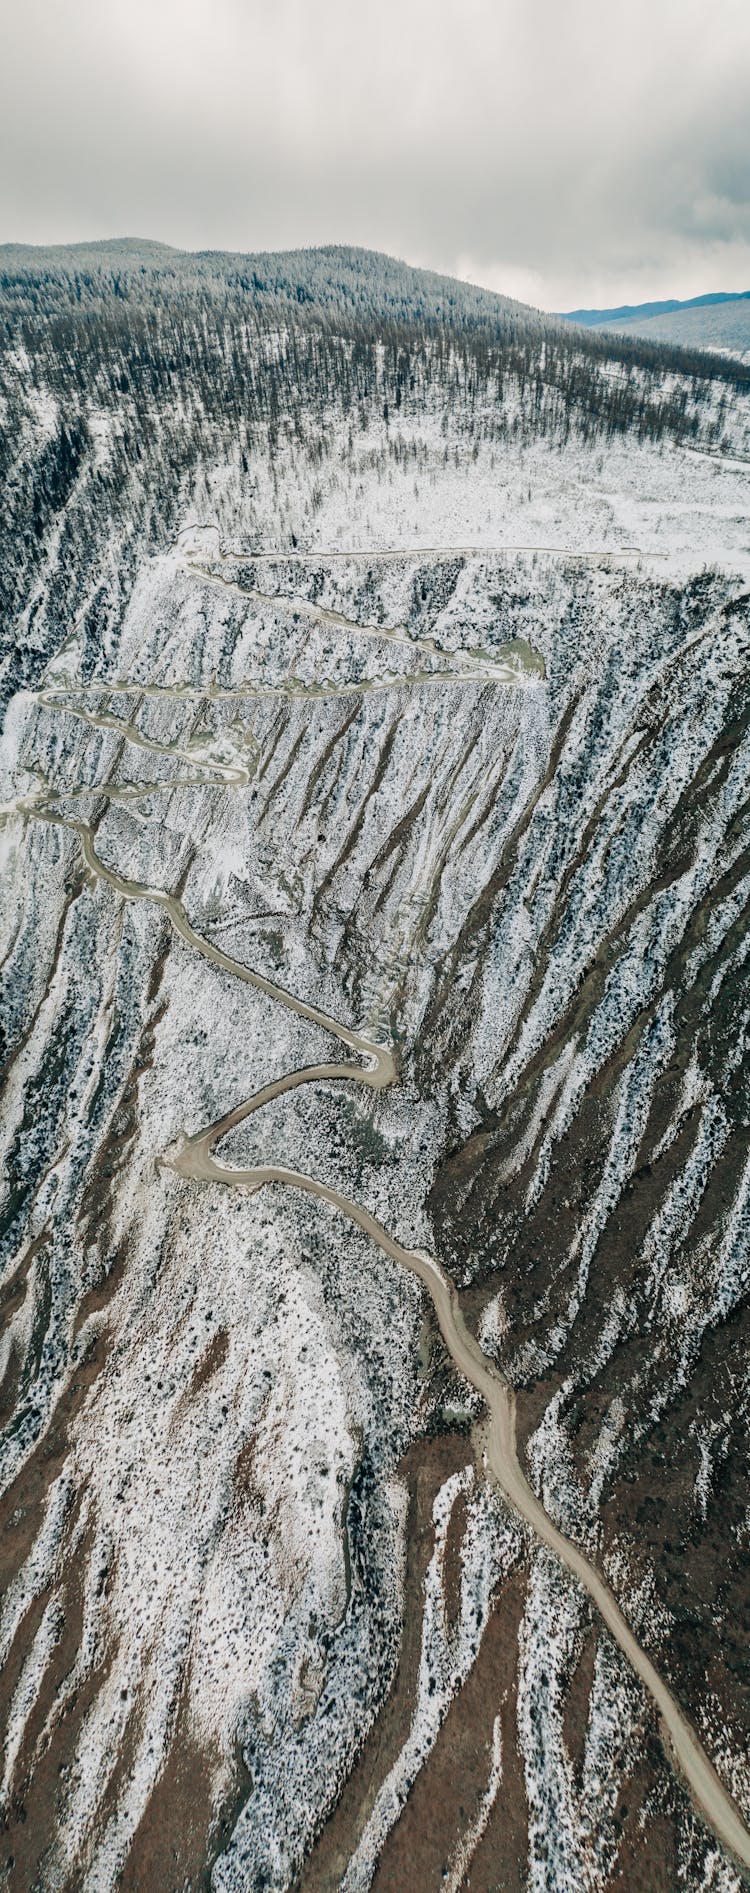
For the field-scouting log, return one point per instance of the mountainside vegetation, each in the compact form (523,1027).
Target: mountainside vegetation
(126,367)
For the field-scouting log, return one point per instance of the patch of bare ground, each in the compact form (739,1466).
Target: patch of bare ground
(424,1469)
(186,1823)
(445,1803)
(23,1506)
(647,1859)
(576,1708)
(32,1817)
(212,1358)
(452,1564)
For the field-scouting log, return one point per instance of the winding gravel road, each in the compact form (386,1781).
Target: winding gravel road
(193,1158)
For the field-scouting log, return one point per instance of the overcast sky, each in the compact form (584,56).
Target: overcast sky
(568,152)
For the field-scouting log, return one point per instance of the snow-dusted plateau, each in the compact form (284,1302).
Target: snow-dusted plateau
(375,861)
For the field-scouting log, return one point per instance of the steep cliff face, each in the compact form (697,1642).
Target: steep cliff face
(269,815)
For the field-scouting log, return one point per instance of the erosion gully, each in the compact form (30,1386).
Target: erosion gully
(374,1065)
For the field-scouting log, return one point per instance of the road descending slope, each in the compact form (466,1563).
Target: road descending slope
(194,1159)
(375,1131)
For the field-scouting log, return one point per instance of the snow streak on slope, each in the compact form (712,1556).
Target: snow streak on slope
(514,881)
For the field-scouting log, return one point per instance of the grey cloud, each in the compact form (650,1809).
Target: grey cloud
(569,148)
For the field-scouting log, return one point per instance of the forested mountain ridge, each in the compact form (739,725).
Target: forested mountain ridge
(336,279)
(337,283)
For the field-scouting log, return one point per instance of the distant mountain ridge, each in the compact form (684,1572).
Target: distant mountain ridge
(719,322)
(643,311)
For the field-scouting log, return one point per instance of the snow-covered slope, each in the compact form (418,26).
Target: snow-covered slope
(382,805)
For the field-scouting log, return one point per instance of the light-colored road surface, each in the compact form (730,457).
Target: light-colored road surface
(501,669)
(310,555)
(194,1159)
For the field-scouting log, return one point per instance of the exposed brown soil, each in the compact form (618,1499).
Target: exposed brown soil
(44,1759)
(448,1792)
(11,1299)
(578,1691)
(185,1824)
(452,1561)
(424,1468)
(647,1860)
(211,1360)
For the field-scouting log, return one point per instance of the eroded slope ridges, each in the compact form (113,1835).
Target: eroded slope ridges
(605,1175)
(618,913)
(183,1593)
(151,1515)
